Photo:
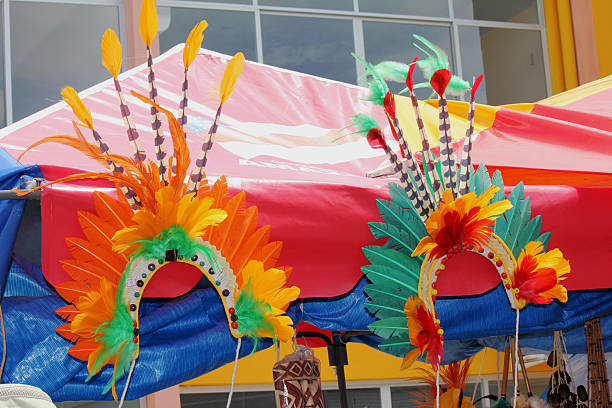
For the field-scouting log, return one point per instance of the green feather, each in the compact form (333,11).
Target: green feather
(457,86)
(409,266)
(401,218)
(520,217)
(398,345)
(363,123)
(251,313)
(386,328)
(482,181)
(377,85)
(396,302)
(398,239)
(501,223)
(544,238)
(382,311)
(532,229)
(502,403)
(392,297)
(393,279)
(392,71)
(498,181)
(116,338)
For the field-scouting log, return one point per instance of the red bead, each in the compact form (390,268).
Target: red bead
(444,260)
(504,275)
(434,285)
(433,298)
(234,325)
(491,255)
(136,339)
(508,286)
(499,263)
(232,310)
(135,325)
(480,249)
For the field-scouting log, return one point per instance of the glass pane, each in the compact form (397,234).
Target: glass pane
(382,43)
(46,54)
(511,60)
(316,46)
(357,398)
(311,4)
(228,31)
(515,11)
(239,400)
(429,8)
(403,397)
(223,1)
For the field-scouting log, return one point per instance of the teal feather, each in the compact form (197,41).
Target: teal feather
(435,62)
(384,311)
(472,180)
(544,238)
(377,85)
(482,181)
(391,278)
(400,197)
(501,223)
(398,239)
(457,86)
(392,71)
(520,217)
(532,229)
(386,328)
(401,218)
(498,181)
(502,403)
(397,345)
(382,297)
(374,292)
(363,123)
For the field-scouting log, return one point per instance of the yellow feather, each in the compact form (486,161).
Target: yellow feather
(111,52)
(78,107)
(230,76)
(193,43)
(148,21)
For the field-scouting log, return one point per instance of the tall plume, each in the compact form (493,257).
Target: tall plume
(428,159)
(111,59)
(466,157)
(148,30)
(230,76)
(439,81)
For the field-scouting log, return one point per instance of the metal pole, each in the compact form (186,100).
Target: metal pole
(342,386)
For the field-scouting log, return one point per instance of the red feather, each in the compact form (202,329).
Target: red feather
(83,349)
(390,105)
(409,82)
(376,140)
(476,85)
(66,332)
(68,312)
(439,80)
(71,290)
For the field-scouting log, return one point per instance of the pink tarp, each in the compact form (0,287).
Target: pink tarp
(275,142)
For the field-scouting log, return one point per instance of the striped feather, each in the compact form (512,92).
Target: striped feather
(439,81)
(466,158)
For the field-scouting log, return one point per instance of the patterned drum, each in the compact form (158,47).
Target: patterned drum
(297,380)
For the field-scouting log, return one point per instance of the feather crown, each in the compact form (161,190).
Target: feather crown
(164,217)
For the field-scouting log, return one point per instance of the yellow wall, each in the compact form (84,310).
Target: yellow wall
(365,364)
(602,16)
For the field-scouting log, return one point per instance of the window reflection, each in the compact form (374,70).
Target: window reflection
(393,42)
(511,60)
(312,4)
(429,8)
(47,58)
(228,31)
(316,46)
(515,11)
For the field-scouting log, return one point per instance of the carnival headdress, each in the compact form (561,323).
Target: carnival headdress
(166,215)
(439,214)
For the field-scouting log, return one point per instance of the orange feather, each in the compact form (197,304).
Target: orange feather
(97,255)
(258,239)
(71,291)
(119,215)
(244,228)
(96,229)
(66,332)
(68,312)
(222,232)
(220,192)
(86,148)
(269,253)
(88,273)
(83,349)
